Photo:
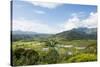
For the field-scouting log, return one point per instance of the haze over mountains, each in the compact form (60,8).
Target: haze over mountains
(79,33)
(76,33)
(23,32)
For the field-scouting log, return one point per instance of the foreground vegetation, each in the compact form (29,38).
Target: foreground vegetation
(52,51)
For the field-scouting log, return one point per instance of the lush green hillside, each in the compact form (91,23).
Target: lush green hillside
(77,45)
(79,33)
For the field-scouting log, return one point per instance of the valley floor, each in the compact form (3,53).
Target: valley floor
(52,52)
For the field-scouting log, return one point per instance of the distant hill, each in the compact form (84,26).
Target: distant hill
(74,34)
(26,35)
(23,32)
(78,33)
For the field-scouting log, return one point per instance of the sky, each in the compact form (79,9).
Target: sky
(46,17)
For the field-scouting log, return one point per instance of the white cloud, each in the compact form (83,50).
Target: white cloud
(45,5)
(40,27)
(75,22)
(91,21)
(35,26)
(80,14)
(71,23)
(39,11)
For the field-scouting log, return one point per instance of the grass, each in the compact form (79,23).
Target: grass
(52,55)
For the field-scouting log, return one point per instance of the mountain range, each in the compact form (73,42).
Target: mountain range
(76,33)
(79,33)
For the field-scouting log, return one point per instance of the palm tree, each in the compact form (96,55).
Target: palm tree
(51,43)
(52,55)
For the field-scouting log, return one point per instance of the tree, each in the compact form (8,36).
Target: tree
(53,55)
(22,56)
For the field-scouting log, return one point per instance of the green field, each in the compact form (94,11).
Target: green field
(53,51)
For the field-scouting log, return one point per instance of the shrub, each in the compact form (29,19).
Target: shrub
(92,48)
(52,57)
(83,58)
(22,56)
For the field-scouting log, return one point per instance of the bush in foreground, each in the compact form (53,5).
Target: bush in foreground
(23,56)
(83,58)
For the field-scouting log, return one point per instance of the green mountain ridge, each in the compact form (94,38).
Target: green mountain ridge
(78,33)
(74,34)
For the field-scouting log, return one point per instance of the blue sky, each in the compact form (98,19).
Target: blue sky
(52,17)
